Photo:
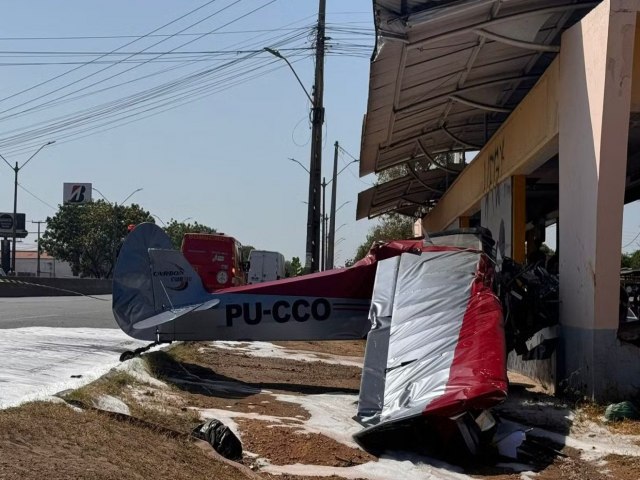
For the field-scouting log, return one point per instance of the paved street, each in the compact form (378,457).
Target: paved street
(69,312)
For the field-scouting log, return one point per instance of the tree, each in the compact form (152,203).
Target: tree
(245,251)
(89,236)
(630,260)
(391,227)
(293,267)
(176,231)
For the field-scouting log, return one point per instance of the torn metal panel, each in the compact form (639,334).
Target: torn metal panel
(375,357)
(446,352)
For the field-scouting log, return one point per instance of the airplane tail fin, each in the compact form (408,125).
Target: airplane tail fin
(150,278)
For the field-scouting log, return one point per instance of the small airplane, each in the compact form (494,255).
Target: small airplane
(435,336)
(158,296)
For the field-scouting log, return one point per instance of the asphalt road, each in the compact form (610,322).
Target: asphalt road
(57,312)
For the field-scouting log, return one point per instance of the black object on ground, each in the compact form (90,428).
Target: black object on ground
(221,438)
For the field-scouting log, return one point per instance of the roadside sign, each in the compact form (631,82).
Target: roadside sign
(76,193)
(6,225)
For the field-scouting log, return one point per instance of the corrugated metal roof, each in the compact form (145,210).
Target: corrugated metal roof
(446,74)
(409,195)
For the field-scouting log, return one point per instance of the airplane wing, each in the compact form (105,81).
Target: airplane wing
(437,346)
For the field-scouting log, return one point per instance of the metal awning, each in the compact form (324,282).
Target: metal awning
(446,73)
(408,195)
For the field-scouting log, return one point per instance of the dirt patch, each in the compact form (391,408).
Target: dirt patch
(343,348)
(46,440)
(284,445)
(273,374)
(622,467)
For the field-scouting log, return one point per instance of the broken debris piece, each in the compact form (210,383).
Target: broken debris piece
(220,437)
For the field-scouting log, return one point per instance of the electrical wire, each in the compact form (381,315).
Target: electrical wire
(123,46)
(106,116)
(37,198)
(634,239)
(116,63)
(108,37)
(21,138)
(91,92)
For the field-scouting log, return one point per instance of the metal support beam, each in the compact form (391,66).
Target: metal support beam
(539,47)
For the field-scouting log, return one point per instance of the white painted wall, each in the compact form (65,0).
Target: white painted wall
(496,215)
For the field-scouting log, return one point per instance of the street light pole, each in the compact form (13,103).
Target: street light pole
(324,226)
(332,220)
(16,169)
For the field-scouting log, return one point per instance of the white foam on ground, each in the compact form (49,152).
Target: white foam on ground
(414,467)
(269,350)
(39,361)
(331,415)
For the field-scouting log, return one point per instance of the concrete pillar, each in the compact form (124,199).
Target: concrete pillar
(596,61)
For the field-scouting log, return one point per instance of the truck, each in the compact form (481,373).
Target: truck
(265,266)
(217,258)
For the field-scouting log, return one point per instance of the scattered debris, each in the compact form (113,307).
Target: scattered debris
(221,438)
(622,411)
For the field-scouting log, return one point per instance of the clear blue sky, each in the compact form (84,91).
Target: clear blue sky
(221,159)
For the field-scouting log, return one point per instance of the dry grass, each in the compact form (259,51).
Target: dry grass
(114,383)
(163,412)
(595,412)
(46,440)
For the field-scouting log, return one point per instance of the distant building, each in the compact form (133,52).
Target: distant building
(27,265)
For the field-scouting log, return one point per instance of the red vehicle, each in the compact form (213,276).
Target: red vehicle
(216,257)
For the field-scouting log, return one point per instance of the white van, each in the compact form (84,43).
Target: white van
(265,266)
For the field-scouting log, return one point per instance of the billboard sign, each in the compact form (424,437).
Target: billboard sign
(76,193)
(6,225)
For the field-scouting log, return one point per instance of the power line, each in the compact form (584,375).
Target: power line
(190,62)
(36,197)
(107,37)
(110,66)
(128,101)
(123,46)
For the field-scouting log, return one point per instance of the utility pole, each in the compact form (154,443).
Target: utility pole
(332,219)
(15,219)
(315,164)
(38,267)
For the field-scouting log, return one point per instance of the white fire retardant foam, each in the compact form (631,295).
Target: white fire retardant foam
(269,350)
(40,361)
